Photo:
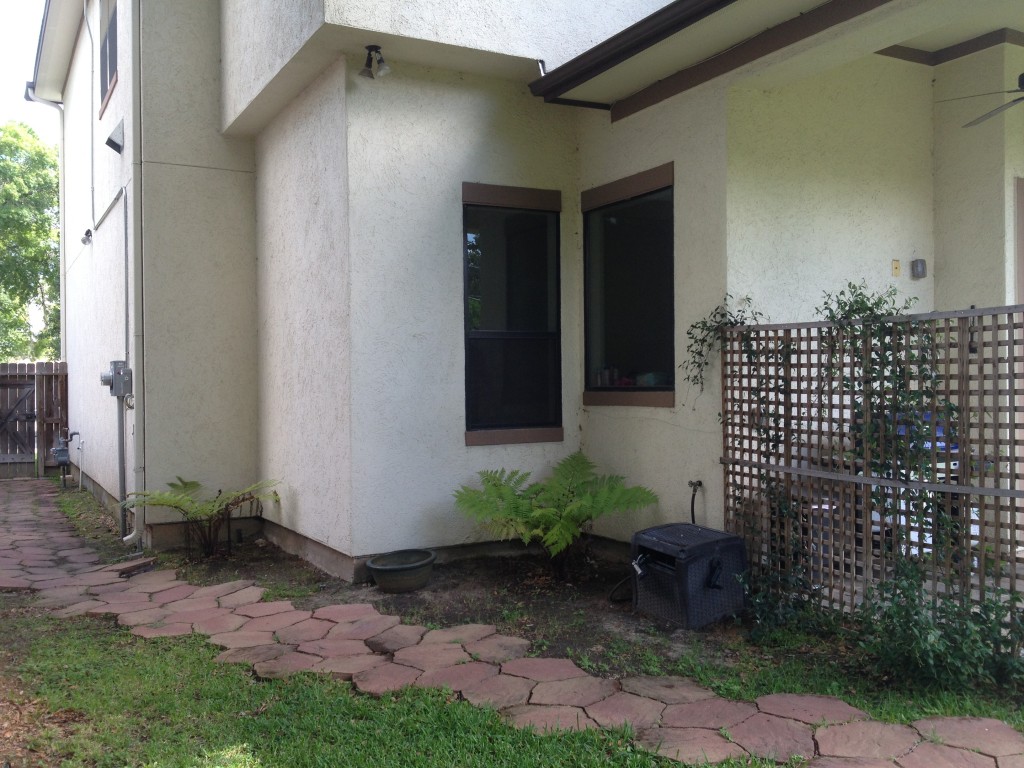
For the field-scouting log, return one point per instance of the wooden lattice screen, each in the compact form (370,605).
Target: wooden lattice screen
(846,447)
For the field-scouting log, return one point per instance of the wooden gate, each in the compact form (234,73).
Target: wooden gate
(33,413)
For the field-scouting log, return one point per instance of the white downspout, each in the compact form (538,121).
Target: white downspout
(138,294)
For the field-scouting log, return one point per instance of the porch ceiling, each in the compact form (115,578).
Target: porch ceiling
(692,41)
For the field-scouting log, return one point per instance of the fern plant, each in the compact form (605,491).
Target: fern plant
(203,516)
(555,512)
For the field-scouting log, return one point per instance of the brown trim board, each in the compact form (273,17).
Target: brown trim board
(771,40)
(659,25)
(934,58)
(1019,202)
(511,197)
(632,186)
(515,436)
(642,399)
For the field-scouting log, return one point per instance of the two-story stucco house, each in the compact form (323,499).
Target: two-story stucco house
(369,287)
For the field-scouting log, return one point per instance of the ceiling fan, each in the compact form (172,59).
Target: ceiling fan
(1004,107)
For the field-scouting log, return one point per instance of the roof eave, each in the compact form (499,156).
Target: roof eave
(645,33)
(57,33)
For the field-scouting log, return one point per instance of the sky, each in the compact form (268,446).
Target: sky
(19,35)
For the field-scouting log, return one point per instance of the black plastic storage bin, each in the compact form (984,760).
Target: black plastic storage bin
(687,574)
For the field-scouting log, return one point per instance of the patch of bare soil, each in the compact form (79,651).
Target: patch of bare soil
(522,596)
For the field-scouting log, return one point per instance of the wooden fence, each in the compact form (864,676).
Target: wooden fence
(846,447)
(33,413)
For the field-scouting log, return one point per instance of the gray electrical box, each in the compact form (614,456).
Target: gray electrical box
(118,378)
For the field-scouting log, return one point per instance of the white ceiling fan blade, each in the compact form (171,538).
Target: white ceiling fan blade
(994,112)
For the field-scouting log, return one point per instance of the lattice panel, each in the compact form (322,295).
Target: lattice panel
(847,446)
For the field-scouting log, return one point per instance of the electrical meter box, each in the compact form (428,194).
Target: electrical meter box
(118,379)
(687,574)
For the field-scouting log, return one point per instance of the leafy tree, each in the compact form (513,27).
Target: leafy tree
(29,246)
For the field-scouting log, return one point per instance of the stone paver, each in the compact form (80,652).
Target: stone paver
(498,648)
(546,719)
(776,738)
(346,667)
(814,710)
(364,629)
(673,716)
(500,692)
(690,746)
(276,621)
(256,610)
(985,735)
(239,639)
(162,630)
(458,677)
(626,709)
(385,678)
(576,691)
(431,657)
(542,670)
(333,647)
(286,664)
(253,654)
(866,739)
(929,755)
(708,713)
(309,629)
(464,633)
(398,637)
(341,614)
(669,690)
(242,597)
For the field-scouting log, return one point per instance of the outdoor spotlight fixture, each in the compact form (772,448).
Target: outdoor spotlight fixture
(373,55)
(87,237)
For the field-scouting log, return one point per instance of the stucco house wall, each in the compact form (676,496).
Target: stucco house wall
(290,236)
(98,274)
(304,307)
(830,180)
(199,258)
(413,140)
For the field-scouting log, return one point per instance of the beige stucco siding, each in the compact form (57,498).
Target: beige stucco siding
(663,448)
(972,183)
(304,312)
(413,140)
(830,180)
(198,260)
(95,273)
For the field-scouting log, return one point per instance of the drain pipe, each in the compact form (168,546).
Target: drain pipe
(81,460)
(136,400)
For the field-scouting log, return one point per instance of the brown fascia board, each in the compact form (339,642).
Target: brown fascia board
(617,49)
(941,56)
(771,40)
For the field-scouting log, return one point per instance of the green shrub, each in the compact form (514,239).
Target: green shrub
(203,517)
(944,640)
(555,511)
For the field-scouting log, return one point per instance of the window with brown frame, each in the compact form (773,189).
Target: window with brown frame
(108,49)
(512,323)
(629,291)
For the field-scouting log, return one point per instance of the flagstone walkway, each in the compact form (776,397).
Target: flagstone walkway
(672,716)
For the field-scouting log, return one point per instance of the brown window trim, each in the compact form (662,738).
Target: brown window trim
(515,436)
(110,92)
(632,186)
(643,399)
(640,183)
(512,197)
